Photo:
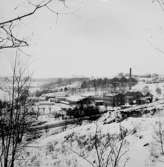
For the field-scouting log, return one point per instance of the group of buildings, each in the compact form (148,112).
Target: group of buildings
(128,98)
(116,99)
(113,99)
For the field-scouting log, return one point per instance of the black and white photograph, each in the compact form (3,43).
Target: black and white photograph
(81,83)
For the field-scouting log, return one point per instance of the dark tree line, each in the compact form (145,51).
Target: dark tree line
(105,82)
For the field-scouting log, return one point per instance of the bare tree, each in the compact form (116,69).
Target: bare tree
(110,150)
(159,135)
(158,91)
(15,117)
(160,2)
(8,39)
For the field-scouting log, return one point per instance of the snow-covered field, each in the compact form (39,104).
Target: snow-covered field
(68,147)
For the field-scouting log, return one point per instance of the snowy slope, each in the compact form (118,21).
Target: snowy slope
(58,149)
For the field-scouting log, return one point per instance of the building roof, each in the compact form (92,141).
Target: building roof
(132,93)
(112,94)
(46,103)
(74,98)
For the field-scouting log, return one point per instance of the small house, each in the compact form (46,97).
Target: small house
(73,100)
(114,99)
(133,97)
(138,98)
(86,102)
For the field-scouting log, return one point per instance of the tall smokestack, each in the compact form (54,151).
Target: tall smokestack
(130,73)
(130,76)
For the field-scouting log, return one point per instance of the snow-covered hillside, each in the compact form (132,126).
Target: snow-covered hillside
(71,146)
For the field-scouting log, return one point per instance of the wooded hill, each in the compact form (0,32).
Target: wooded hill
(106,82)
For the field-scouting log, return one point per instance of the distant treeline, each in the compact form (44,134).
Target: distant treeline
(87,83)
(106,82)
(62,82)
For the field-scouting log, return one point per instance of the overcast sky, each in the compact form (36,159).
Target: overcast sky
(94,38)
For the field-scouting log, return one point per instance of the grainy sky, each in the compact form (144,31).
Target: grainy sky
(92,38)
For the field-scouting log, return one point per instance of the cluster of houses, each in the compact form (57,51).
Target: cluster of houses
(112,99)
(128,98)
(47,103)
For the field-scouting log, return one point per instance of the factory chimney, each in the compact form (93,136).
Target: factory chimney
(130,73)
(130,77)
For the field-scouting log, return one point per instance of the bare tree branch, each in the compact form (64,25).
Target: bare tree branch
(37,7)
(7,37)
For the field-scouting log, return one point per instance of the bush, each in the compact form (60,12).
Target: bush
(82,112)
